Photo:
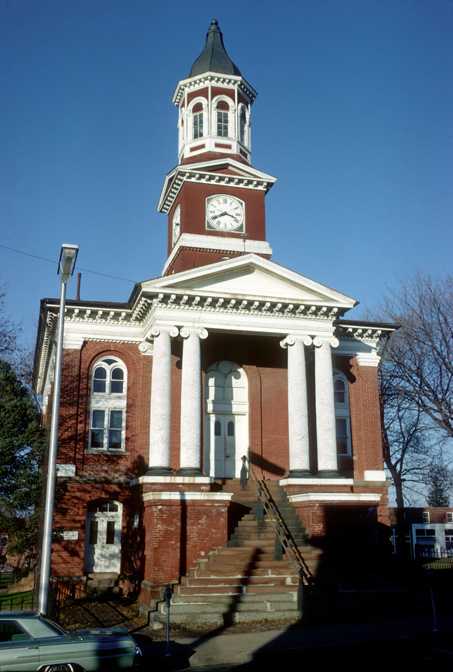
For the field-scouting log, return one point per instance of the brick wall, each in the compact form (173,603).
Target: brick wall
(176,536)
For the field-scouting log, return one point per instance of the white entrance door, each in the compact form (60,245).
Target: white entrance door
(104,538)
(226,418)
(224,445)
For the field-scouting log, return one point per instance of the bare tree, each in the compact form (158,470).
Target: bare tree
(416,385)
(407,454)
(421,351)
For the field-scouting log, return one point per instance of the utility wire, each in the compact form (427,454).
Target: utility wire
(52,261)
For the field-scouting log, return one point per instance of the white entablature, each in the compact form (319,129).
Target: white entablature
(245,294)
(213,79)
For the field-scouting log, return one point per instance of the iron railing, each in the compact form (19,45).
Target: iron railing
(284,534)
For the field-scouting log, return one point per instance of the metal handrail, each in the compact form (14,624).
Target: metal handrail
(283,532)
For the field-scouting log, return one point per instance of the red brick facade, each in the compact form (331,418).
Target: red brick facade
(172,534)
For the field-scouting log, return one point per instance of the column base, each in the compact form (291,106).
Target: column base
(189,471)
(328,473)
(299,473)
(159,471)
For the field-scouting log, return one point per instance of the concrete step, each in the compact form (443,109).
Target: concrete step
(206,572)
(261,609)
(201,581)
(245,600)
(212,620)
(234,589)
(245,534)
(265,542)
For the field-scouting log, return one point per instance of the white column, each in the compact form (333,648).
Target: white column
(160,411)
(190,445)
(325,406)
(298,437)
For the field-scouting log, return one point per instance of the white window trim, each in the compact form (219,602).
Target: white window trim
(108,402)
(189,120)
(176,219)
(231,117)
(246,143)
(342,411)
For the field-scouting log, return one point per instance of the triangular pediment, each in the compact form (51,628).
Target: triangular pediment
(253,277)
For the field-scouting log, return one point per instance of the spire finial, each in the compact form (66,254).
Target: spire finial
(214,57)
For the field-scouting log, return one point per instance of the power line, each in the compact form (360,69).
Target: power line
(52,261)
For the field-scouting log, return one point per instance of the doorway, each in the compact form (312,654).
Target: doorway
(226,435)
(103,547)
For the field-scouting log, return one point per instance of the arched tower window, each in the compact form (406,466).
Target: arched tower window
(196,126)
(222,119)
(108,405)
(342,419)
(222,114)
(197,118)
(242,125)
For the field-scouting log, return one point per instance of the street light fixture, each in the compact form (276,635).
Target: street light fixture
(66,264)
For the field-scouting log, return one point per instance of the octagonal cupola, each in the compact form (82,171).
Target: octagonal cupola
(214,104)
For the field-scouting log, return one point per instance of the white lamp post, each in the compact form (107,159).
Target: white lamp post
(66,264)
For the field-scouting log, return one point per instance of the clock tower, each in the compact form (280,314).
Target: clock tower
(214,198)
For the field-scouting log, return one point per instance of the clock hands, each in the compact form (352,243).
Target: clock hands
(228,214)
(221,215)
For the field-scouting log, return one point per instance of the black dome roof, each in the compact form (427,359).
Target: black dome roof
(214,57)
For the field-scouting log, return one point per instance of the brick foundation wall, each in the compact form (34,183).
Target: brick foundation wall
(177,535)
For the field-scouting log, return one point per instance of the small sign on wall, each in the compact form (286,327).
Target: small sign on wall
(70,535)
(65,470)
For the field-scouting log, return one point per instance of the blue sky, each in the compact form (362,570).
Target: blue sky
(354,116)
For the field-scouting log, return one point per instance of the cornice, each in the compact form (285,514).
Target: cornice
(201,81)
(364,331)
(172,299)
(202,175)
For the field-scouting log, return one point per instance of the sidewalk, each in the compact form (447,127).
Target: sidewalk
(389,640)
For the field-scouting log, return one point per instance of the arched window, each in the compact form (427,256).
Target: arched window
(242,126)
(196,125)
(197,121)
(342,419)
(222,118)
(108,406)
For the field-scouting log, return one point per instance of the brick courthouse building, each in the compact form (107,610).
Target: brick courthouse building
(227,354)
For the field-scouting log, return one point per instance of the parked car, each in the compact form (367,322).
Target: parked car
(30,642)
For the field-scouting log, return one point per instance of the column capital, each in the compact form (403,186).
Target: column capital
(158,330)
(201,332)
(319,341)
(146,348)
(291,339)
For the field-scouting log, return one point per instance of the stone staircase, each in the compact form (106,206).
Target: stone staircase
(249,580)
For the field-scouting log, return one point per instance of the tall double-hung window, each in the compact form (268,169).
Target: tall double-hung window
(197,121)
(342,419)
(222,119)
(108,406)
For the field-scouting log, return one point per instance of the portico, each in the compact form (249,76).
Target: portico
(189,307)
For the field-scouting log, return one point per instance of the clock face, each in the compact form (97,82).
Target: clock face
(224,213)
(176,227)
